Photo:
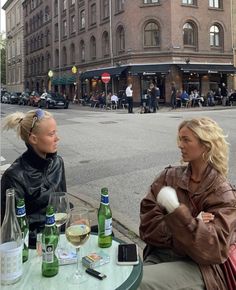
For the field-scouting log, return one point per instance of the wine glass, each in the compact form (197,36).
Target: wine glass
(60,203)
(77,233)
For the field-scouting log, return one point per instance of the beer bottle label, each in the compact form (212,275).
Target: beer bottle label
(104,199)
(20,211)
(50,220)
(108,227)
(48,253)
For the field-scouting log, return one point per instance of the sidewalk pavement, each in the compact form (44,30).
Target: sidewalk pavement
(119,230)
(163,109)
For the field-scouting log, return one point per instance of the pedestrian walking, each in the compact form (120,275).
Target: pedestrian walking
(173,95)
(129,96)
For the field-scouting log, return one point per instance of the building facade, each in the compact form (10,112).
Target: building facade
(189,42)
(14,46)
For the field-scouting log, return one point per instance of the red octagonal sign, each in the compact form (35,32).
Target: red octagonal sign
(106,77)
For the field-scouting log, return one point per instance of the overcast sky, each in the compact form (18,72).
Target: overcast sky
(3,22)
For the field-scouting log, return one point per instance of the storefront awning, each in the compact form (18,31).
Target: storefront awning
(149,69)
(208,68)
(64,80)
(113,71)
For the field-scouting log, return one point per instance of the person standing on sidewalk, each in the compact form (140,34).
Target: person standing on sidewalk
(129,96)
(188,215)
(173,95)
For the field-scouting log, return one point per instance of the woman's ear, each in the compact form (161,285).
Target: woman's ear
(33,139)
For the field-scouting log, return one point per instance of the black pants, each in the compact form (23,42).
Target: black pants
(130,104)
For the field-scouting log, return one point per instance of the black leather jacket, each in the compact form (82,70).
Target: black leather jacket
(34,179)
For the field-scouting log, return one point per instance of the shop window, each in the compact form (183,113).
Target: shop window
(216,36)
(189,34)
(151,35)
(92,47)
(120,38)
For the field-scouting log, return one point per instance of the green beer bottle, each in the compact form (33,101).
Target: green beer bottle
(104,221)
(50,263)
(24,226)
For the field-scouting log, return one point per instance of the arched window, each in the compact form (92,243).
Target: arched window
(215,36)
(72,53)
(48,61)
(26,28)
(189,34)
(42,64)
(120,38)
(64,56)
(105,44)
(82,51)
(56,58)
(92,47)
(151,34)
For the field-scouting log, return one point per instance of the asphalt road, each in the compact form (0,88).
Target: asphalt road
(121,151)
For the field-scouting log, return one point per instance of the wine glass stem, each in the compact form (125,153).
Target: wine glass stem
(78,272)
(59,238)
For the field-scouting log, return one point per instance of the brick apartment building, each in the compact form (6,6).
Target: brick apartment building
(190,42)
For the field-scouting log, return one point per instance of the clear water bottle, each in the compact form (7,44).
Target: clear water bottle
(50,264)
(11,243)
(24,226)
(104,221)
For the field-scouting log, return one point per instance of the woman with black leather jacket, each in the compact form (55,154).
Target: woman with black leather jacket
(39,171)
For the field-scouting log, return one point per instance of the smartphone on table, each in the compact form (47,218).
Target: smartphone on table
(127,254)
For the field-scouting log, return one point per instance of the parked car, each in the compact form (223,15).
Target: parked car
(34,99)
(232,98)
(6,98)
(23,99)
(53,100)
(14,98)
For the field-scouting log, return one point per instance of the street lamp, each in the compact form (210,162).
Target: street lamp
(50,74)
(74,71)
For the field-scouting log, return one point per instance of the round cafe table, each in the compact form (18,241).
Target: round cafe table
(118,277)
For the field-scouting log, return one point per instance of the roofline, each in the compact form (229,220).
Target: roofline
(5,6)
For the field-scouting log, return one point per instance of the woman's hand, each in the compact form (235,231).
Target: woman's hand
(206,217)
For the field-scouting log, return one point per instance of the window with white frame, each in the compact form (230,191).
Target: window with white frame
(82,19)
(72,23)
(105,44)
(64,4)
(93,14)
(215,3)
(214,36)
(150,1)
(120,39)
(189,34)
(64,28)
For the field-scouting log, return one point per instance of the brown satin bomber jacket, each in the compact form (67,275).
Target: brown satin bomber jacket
(206,244)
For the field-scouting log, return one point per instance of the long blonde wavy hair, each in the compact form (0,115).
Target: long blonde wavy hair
(212,136)
(22,123)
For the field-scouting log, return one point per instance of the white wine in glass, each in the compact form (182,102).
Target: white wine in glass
(77,233)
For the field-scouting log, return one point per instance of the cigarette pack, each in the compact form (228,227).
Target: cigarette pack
(94,260)
(66,257)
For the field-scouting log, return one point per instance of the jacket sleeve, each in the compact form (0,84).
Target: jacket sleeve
(206,243)
(153,229)
(8,181)
(63,177)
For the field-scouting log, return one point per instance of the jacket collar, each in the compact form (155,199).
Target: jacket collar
(35,160)
(208,179)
